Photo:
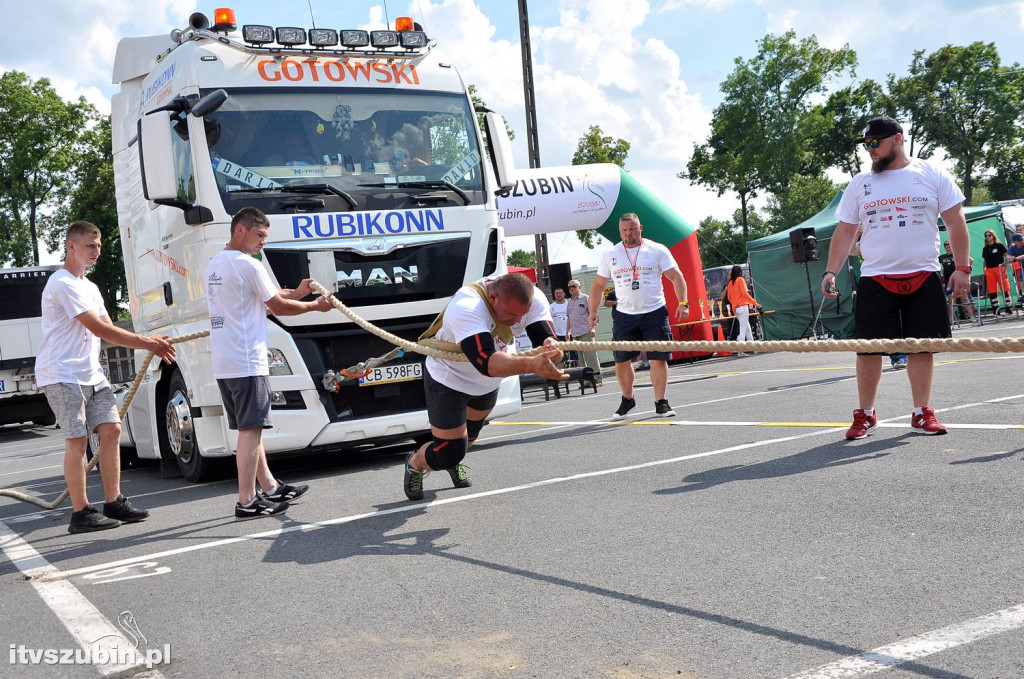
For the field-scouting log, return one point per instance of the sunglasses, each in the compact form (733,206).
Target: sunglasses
(875,143)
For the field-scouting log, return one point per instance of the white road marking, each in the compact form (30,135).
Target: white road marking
(90,629)
(419,506)
(37,469)
(920,646)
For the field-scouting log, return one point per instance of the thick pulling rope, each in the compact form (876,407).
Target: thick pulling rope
(450,352)
(139,376)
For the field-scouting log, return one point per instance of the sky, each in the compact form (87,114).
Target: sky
(646,71)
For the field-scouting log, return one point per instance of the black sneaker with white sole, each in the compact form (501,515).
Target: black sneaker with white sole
(625,406)
(286,492)
(123,510)
(90,519)
(260,506)
(663,409)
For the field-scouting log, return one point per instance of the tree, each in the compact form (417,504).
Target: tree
(805,198)
(39,144)
(522,258)
(596,147)
(1007,183)
(967,104)
(723,242)
(761,130)
(92,200)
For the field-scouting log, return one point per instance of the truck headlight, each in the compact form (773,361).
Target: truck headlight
(278,363)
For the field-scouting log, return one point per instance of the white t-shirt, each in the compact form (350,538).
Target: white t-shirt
(69,352)
(465,316)
(237,288)
(899,212)
(560,317)
(651,261)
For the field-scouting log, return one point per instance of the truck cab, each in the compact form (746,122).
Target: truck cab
(367,159)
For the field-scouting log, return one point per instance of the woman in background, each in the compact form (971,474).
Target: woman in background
(740,301)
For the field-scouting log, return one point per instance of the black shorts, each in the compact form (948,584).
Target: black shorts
(652,326)
(246,401)
(446,408)
(888,315)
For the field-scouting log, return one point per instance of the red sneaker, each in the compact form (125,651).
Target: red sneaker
(925,423)
(862,425)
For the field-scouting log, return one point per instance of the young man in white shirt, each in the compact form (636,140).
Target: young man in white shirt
(900,292)
(636,266)
(238,291)
(67,367)
(483,318)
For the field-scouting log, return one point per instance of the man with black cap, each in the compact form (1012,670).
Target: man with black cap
(900,292)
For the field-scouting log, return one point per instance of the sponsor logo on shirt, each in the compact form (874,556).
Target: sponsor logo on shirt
(903,222)
(917,222)
(882,202)
(900,209)
(871,212)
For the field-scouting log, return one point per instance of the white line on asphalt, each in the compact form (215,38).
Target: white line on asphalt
(83,620)
(37,469)
(920,646)
(420,506)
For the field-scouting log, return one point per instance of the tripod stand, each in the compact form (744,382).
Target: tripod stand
(816,329)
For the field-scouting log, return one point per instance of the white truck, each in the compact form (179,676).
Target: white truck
(21,292)
(363,150)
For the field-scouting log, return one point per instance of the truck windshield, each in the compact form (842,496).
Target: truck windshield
(313,150)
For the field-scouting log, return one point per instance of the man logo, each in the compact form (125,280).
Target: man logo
(377,276)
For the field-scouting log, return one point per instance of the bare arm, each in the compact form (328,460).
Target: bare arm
(596,290)
(280,305)
(842,242)
(104,328)
(304,290)
(675,276)
(506,365)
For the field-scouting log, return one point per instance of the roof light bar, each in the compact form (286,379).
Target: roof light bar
(412,39)
(290,35)
(383,38)
(323,37)
(354,38)
(257,34)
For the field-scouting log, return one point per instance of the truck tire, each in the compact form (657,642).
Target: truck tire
(177,435)
(45,420)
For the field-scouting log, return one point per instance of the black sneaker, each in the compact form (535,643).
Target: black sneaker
(90,519)
(123,510)
(413,482)
(261,506)
(663,409)
(460,477)
(624,407)
(286,491)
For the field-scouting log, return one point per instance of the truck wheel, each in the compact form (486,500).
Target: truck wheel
(45,420)
(177,435)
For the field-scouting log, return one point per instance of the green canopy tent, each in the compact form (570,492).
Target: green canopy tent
(780,284)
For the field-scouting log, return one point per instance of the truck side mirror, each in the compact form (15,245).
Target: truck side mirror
(501,151)
(155,148)
(210,103)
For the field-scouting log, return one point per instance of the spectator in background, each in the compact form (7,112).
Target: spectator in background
(741,302)
(1015,255)
(580,329)
(560,315)
(994,254)
(965,301)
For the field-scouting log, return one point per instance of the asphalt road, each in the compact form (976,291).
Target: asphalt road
(744,538)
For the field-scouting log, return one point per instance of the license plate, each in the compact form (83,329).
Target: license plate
(3,386)
(387,374)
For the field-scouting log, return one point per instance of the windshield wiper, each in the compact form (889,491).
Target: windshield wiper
(305,188)
(426,184)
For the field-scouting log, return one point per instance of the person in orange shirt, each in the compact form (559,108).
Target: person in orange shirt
(741,302)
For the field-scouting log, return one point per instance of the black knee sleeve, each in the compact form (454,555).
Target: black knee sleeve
(446,453)
(473,428)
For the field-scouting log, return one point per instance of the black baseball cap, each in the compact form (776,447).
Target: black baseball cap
(880,127)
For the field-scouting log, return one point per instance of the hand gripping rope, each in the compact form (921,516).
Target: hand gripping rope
(139,376)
